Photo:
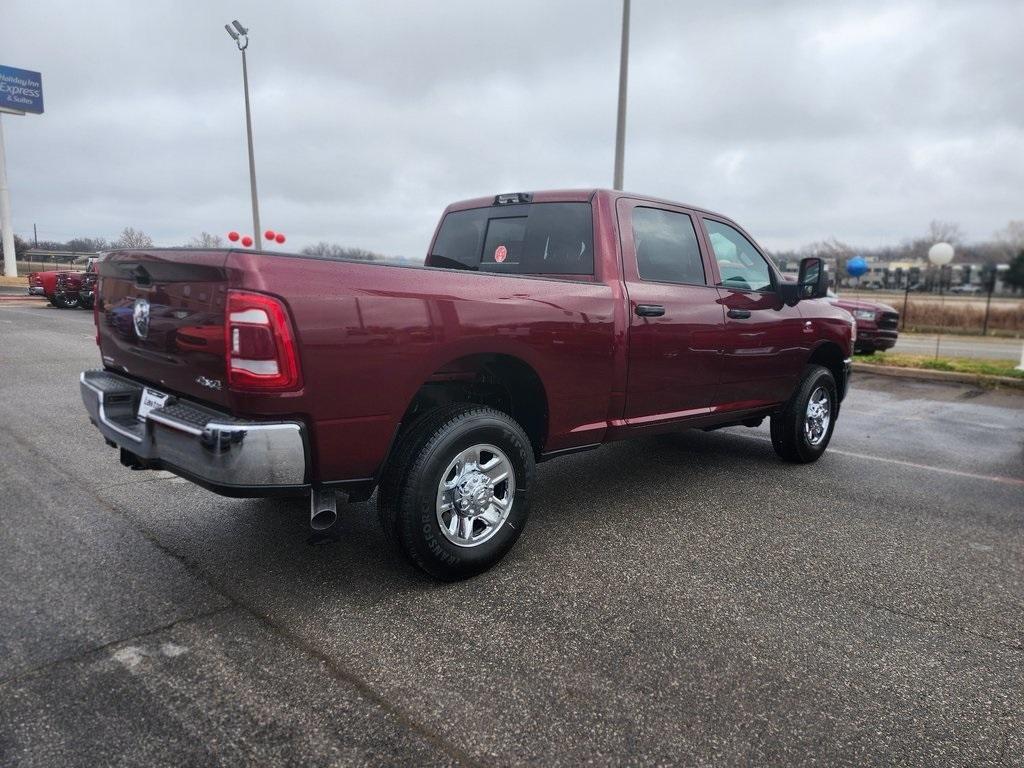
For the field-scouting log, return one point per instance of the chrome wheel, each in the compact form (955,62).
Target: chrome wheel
(818,416)
(475,495)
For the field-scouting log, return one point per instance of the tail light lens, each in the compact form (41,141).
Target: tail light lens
(261,352)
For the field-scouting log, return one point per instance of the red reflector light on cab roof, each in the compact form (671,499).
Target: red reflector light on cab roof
(261,353)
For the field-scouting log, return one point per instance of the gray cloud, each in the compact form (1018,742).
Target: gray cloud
(802,120)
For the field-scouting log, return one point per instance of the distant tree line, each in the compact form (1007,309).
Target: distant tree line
(1005,247)
(135,238)
(335,251)
(129,238)
(1000,249)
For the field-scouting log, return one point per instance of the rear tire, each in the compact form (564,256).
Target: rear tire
(439,502)
(65,302)
(802,430)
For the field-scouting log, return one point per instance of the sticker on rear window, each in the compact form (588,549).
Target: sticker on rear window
(500,253)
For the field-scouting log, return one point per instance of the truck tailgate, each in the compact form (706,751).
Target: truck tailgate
(161,319)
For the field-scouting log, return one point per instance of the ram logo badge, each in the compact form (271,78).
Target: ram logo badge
(140,318)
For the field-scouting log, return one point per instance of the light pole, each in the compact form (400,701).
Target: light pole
(241,37)
(9,258)
(940,255)
(620,126)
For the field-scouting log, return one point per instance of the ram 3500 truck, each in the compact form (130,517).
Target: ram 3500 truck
(539,325)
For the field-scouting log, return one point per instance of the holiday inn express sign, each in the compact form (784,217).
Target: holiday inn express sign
(21,90)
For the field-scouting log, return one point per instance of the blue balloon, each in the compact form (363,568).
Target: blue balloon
(856,266)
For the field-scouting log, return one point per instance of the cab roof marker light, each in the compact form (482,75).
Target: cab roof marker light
(512,198)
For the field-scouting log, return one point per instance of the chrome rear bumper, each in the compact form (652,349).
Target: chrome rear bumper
(230,456)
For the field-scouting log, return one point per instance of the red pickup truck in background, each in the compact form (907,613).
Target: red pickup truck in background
(877,324)
(540,324)
(64,288)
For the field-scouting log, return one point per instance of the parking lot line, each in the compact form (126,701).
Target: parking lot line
(912,464)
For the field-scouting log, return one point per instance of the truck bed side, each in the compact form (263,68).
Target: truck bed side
(371,336)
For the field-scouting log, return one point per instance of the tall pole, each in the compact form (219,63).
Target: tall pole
(257,233)
(10,262)
(990,284)
(620,127)
(942,314)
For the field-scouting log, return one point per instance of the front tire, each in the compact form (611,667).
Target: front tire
(456,494)
(802,430)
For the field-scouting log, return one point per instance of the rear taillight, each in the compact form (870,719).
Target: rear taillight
(261,350)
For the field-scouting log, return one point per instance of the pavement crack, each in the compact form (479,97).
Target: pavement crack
(938,622)
(87,652)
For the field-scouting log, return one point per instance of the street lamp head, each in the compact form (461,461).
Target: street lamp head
(239,34)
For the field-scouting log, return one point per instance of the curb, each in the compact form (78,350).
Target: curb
(948,377)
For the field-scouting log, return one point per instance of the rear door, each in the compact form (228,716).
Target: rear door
(675,314)
(764,345)
(161,319)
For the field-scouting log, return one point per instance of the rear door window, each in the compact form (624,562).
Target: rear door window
(666,247)
(531,239)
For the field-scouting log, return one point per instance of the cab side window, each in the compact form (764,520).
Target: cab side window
(739,264)
(666,247)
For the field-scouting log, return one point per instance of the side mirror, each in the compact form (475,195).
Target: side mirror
(813,280)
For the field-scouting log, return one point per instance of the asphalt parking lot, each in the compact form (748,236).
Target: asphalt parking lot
(684,599)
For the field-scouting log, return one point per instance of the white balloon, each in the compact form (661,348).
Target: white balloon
(940,254)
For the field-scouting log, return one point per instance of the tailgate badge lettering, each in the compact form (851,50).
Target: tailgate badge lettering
(208,383)
(140,318)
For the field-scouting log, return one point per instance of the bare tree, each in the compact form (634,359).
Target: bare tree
(133,238)
(944,232)
(1011,237)
(206,240)
(88,244)
(335,251)
(830,248)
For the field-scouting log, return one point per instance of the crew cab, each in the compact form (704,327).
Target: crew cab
(877,324)
(539,325)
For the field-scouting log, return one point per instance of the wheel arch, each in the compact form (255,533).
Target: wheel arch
(830,355)
(503,381)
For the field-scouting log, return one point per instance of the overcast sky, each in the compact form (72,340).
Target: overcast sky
(802,120)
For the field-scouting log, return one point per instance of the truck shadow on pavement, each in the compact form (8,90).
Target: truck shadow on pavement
(620,482)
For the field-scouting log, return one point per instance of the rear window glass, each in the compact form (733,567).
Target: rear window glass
(532,239)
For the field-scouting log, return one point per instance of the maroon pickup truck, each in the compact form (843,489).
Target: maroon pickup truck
(877,324)
(540,324)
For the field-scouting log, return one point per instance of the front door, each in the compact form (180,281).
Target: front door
(676,317)
(765,344)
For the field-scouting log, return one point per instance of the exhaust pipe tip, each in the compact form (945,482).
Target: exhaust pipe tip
(323,509)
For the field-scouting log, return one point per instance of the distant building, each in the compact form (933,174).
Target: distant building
(917,274)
